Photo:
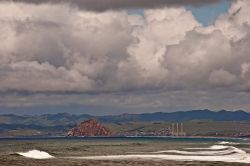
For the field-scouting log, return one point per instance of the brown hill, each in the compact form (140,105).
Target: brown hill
(89,128)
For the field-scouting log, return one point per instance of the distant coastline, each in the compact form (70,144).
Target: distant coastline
(196,123)
(191,138)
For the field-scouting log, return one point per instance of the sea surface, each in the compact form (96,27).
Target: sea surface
(151,151)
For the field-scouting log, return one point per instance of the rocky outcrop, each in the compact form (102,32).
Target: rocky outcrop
(90,128)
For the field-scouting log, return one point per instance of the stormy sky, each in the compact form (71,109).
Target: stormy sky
(94,57)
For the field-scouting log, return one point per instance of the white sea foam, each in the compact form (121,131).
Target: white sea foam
(228,158)
(227,154)
(213,153)
(36,154)
(214,147)
(228,143)
(223,152)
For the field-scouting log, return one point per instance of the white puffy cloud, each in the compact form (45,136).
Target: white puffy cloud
(213,56)
(192,60)
(161,28)
(58,48)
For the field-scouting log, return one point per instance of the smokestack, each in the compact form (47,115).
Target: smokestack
(177,129)
(181,128)
(172,128)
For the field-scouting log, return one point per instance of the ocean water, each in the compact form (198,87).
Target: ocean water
(117,150)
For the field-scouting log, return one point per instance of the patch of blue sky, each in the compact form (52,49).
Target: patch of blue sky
(207,14)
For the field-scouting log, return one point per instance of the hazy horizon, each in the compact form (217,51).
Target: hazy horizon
(91,112)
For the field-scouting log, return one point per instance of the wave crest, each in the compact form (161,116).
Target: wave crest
(36,154)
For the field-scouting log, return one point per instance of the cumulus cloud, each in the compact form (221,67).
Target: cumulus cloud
(63,54)
(85,51)
(214,56)
(103,5)
(57,48)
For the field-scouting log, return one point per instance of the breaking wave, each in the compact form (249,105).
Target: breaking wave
(214,147)
(214,153)
(228,143)
(224,150)
(36,154)
(222,153)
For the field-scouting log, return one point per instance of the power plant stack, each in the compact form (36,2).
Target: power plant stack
(179,130)
(172,131)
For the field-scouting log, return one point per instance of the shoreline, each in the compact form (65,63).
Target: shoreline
(123,137)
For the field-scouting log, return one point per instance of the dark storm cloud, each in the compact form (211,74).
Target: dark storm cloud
(103,5)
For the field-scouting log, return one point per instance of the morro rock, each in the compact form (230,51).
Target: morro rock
(89,128)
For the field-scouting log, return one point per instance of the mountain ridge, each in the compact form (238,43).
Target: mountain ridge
(59,124)
(205,114)
(71,119)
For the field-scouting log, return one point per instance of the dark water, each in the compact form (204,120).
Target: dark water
(123,151)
